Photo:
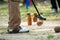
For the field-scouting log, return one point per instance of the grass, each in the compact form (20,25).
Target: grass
(50,36)
(2,39)
(3,28)
(42,8)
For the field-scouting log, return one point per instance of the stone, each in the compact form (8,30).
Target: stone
(39,22)
(57,29)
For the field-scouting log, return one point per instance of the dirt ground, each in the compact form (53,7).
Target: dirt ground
(43,32)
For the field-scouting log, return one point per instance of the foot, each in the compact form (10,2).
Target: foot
(41,17)
(45,2)
(24,29)
(19,30)
(54,10)
(59,10)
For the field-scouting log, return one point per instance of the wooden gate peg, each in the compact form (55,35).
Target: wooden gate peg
(29,19)
(35,18)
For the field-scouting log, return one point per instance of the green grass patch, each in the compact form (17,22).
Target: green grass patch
(50,36)
(42,8)
(2,39)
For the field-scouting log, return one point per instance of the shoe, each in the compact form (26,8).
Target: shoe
(19,30)
(45,2)
(24,29)
(54,10)
(59,10)
(41,17)
(14,30)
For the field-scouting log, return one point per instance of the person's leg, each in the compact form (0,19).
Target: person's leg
(14,15)
(54,5)
(24,2)
(58,3)
(14,18)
